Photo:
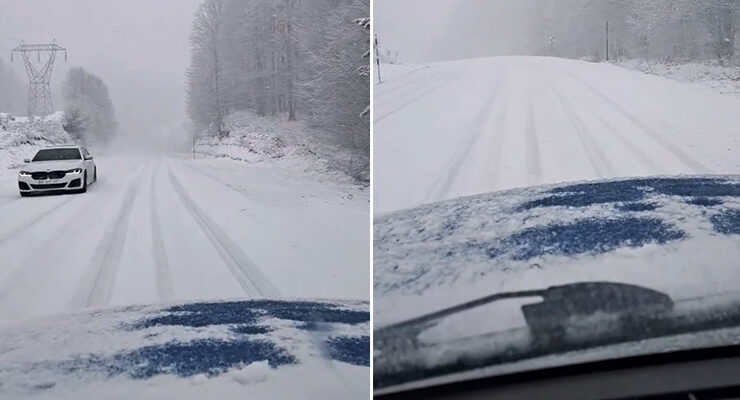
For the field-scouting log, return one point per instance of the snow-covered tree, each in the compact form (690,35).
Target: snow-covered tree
(75,121)
(89,112)
(333,92)
(299,58)
(654,29)
(205,98)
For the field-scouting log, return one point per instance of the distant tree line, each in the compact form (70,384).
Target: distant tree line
(304,59)
(655,29)
(88,109)
(660,30)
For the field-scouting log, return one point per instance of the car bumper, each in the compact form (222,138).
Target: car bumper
(27,184)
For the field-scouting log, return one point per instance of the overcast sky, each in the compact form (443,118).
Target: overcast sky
(138,47)
(410,26)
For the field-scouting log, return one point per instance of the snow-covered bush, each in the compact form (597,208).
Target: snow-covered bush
(253,138)
(20,137)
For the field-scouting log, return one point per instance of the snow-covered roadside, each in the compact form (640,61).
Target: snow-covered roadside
(721,78)
(21,136)
(256,139)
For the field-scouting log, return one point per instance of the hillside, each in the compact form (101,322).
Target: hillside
(21,136)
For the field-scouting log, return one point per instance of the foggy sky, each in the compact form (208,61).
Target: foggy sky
(138,47)
(434,30)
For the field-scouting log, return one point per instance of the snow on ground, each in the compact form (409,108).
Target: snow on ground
(474,126)
(255,139)
(710,73)
(156,229)
(269,349)
(21,136)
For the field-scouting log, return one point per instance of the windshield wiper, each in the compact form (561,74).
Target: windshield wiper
(619,311)
(560,303)
(571,317)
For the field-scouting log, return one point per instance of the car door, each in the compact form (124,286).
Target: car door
(89,164)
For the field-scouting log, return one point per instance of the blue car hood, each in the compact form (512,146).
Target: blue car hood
(677,236)
(275,349)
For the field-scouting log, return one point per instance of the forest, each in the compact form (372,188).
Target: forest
(665,30)
(656,30)
(300,60)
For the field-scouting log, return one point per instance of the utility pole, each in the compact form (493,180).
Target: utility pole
(377,59)
(551,39)
(39,88)
(607,41)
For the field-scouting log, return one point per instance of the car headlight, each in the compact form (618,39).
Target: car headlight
(75,171)
(24,173)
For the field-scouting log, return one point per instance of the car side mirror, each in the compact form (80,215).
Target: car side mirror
(88,157)
(26,160)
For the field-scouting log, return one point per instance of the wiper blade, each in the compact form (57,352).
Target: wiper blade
(559,304)
(569,317)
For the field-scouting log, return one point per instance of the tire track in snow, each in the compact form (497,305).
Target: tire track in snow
(416,98)
(651,132)
(534,165)
(9,201)
(634,150)
(20,273)
(444,182)
(220,181)
(161,264)
(97,285)
(244,270)
(29,224)
(415,81)
(596,157)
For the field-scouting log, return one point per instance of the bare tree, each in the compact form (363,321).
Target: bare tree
(205,98)
(293,58)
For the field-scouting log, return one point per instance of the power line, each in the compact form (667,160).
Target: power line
(9,37)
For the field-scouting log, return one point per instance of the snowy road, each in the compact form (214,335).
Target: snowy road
(472,126)
(154,230)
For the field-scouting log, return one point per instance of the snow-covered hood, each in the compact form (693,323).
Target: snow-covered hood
(679,236)
(43,166)
(269,349)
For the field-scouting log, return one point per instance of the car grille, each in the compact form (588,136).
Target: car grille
(50,186)
(40,176)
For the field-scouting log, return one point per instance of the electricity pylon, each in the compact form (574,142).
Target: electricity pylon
(39,88)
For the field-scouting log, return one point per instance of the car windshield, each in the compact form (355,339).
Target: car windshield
(57,155)
(553,275)
(573,194)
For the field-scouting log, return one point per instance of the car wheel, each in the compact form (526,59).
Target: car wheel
(95,174)
(84,184)
(24,194)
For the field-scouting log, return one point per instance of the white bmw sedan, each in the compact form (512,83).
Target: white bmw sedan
(59,168)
